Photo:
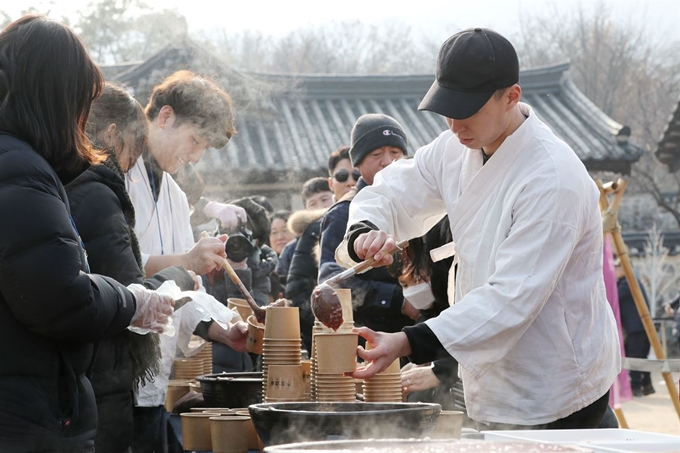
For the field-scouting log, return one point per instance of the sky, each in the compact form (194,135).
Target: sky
(435,18)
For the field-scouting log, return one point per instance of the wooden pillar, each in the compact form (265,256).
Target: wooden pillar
(611,225)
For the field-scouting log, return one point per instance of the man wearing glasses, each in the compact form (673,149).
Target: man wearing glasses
(376,141)
(343,175)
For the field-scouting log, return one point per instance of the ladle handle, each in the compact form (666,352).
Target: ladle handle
(362,266)
(237,281)
(258,311)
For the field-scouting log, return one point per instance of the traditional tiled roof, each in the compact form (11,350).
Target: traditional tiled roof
(300,126)
(290,123)
(668,149)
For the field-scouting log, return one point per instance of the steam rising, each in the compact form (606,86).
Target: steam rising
(427,446)
(298,422)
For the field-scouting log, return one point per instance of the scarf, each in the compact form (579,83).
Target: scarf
(145,350)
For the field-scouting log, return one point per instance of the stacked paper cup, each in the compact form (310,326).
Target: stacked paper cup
(284,383)
(384,387)
(205,355)
(282,350)
(306,379)
(333,354)
(188,369)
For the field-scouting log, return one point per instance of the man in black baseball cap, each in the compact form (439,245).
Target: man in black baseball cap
(531,328)
(472,65)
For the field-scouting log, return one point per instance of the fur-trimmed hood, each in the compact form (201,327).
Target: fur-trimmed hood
(300,220)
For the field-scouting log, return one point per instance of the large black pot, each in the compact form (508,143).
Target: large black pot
(417,446)
(279,423)
(231,389)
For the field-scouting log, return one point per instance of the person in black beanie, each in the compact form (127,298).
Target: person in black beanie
(377,140)
(380,138)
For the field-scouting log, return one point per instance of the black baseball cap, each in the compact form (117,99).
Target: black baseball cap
(471,66)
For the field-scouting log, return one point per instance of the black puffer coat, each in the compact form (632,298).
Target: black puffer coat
(104,216)
(51,312)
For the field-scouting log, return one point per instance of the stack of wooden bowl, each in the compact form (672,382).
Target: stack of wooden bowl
(220,430)
(206,355)
(333,354)
(281,350)
(188,369)
(384,387)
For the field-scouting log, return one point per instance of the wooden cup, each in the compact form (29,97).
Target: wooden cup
(336,352)
(229,434)
(255,339)
(241,306)
(285,382)
(176,390)
(196,431)
(253,438)
(449,425)
(282,323)
(345,296)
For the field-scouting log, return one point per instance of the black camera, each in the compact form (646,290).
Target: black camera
(240,244)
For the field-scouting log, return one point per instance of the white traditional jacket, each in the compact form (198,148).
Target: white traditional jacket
(162,227)
(531,326)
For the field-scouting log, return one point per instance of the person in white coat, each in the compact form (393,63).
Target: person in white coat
(187,113)
(530,326)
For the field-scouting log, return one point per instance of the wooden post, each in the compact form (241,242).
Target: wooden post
(611,225)
(621,418)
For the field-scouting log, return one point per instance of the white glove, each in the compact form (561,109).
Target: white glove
(154,311)
(198,282)
(229,215)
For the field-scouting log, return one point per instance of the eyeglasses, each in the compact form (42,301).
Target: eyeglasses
(342,175)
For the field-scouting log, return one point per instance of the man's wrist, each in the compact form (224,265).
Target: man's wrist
(404,344)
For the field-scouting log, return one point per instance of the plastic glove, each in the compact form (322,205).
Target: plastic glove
(198,282)
(229,215)
(234,336)
(154,311)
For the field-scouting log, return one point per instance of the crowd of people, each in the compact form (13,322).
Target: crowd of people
(96,216)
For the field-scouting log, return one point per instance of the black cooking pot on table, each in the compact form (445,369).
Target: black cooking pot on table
(231,389)
(279,423)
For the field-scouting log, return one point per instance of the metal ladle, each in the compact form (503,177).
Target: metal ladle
(326,304)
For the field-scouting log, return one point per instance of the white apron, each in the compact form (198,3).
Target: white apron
(162,227)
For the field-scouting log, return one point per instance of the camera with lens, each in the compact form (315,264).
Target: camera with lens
(240,244)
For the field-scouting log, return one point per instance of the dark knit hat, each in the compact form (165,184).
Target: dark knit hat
(373,131)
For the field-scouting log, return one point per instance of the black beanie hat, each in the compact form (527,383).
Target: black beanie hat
(373,131)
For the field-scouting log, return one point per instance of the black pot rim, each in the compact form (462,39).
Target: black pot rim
(401,407)
(245,376)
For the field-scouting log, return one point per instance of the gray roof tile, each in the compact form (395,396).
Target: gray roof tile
(302,118)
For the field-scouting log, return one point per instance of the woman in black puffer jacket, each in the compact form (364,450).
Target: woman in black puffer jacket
(51,309)
(105,217)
